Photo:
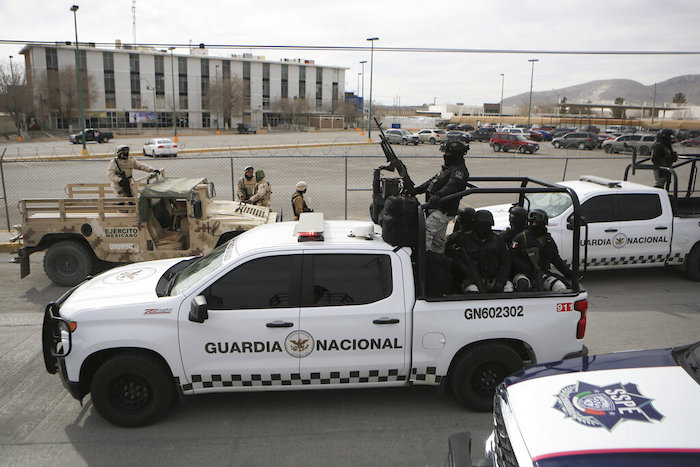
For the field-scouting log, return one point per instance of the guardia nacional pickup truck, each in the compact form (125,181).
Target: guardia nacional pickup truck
(296,305)
(628,225)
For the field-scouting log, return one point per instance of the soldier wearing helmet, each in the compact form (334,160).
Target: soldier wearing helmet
(298,201)
(464,221)
(480,258)
(263,192)
(452,178)
(246,184)
(533,252)
(121,170)
(517,218)
(662,156)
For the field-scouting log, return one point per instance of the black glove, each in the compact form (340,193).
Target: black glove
(434,202)
(156,171)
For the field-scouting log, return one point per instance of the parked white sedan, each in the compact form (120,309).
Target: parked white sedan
(160,147)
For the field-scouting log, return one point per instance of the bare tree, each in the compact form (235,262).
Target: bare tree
(57,91)
(350,112)
(15,95)
(294,113)
(230,94)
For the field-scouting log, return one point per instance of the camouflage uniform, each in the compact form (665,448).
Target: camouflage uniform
(128,166)
(246,188)
(263,192)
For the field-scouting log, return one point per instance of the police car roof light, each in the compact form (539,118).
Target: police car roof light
(601,181)
(310,227)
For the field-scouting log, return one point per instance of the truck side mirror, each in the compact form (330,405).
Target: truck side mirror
(199,311)
(197,208)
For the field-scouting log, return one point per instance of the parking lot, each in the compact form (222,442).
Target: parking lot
(40,423)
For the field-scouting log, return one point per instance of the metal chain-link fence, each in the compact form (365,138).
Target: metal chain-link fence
(339,184)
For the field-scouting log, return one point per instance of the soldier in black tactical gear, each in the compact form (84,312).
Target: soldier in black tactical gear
(452,178)
(662,156)
(480,257)
(464,222)
(533,251)
(517,217)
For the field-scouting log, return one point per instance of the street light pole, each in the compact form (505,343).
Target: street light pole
(362,98)
(503,80)
(172,75)
(371,71)
(14,88)
(74,9)
(216,81)
(532,75)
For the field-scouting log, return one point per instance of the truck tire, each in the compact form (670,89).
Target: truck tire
(131,390)
(692,264)
(479,371)
(68,262)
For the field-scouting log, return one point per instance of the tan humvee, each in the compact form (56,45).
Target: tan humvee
(168,217)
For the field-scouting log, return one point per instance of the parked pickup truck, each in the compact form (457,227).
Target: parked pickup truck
(77,138)
(170,217)
(296,305)
(628,225)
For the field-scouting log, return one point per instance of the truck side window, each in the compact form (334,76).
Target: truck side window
(599,209)
(259,283)
(638,206)
(349,279)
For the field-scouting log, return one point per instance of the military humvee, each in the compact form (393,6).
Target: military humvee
(167,217)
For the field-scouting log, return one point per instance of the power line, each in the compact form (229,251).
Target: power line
(366,49)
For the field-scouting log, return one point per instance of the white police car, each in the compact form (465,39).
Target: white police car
(636,408)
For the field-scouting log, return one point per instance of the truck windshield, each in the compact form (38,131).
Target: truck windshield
(553,203)
(197,270)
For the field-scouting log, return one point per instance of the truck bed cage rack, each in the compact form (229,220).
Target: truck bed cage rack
(683,160)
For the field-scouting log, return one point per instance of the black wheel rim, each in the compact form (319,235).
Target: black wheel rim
(67,264)
(130,392)
(487,377)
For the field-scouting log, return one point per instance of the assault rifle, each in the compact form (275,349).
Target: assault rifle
(532,255)
(393,160)
(473,271)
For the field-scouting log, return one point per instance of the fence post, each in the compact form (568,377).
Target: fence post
(566,165)
(233,183)
(346,185)
(4,193)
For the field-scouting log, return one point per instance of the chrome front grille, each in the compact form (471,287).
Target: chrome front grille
(505,457)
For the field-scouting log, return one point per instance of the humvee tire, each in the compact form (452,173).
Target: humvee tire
(68,262)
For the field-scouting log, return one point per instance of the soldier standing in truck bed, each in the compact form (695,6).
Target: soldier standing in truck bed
(122,168)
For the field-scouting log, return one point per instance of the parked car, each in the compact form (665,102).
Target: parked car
(623,408)
(461,136)
(104,136)
(401,136)
(160,147)
(514,141)
(245,129)
(691,141)
(557,132)
(607,144)
(482,134)
(432,136)
(536,135)
(465,127)
(641,142)
(577,139)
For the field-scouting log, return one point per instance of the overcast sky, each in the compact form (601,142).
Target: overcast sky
(412,78)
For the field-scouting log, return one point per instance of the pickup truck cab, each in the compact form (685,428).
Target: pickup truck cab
(295,305)
(628,225)
(77,138)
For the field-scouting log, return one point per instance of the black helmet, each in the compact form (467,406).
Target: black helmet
(455,148)
(465,218)
(538,216)
(666,133)
(484,216)
(517,214)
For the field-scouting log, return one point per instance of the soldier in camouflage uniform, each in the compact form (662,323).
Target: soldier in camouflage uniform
(263,192)
(121,170)
(246,184)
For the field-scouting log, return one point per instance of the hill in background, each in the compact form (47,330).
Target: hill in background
(605,91)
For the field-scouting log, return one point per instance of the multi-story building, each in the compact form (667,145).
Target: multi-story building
(134,86)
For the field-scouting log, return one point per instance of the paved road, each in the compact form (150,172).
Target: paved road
(40,424)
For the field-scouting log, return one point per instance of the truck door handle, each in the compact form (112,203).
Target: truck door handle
(385,321)
(661,227)
(611,230)
(279,324)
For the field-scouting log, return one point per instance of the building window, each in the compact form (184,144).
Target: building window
(204,82)
(266,86)
(319,89)
(135,79)
(246,85)
(284,91)
(206,120)
(160,75)
(182,81)
(110,90)
(226,69)
(135,101)
(159,64)
(51,59)
(302,82)
(183,102)
(83,60)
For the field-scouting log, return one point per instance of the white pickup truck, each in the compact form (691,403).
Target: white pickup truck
(295,305)
(628,225)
